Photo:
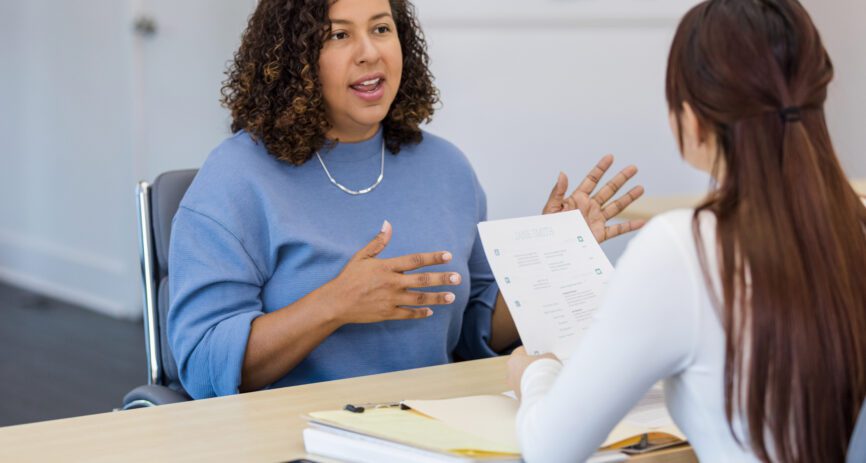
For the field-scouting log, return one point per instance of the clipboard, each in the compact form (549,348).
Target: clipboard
(328,435)
(408,427)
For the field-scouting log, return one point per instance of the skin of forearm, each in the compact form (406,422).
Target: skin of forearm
(280,340)
(503,332)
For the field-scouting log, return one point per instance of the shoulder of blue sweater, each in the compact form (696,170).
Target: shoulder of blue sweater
(445,149)
(447,157)
(230,171)
(239,149)
(436,141)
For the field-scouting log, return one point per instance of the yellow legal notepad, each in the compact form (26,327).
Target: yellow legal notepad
(413,429)
(475,428)
(647,426)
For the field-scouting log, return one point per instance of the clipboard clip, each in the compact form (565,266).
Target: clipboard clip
(642,445)
(359,408)
(649,444)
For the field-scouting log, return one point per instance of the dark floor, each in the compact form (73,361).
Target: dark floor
(58,360)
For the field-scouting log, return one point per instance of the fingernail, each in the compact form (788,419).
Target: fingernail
(446,256)
(455,278)
(429,312)
(385,225)
(449,298)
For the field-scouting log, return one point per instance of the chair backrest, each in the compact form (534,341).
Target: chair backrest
(857,444)
(157,205)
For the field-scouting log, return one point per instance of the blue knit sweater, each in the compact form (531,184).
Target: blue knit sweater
(254,234)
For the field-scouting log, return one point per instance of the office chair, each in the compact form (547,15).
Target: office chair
(857,444)
(157,204)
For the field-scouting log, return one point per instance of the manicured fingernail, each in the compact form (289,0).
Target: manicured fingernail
(455,278)
(446,256)
(449,298)
(429,312)
(385,225)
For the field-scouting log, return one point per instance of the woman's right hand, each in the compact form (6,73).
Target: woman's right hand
(598,209)
(370,290)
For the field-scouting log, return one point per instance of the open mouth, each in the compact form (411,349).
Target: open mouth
(368,86)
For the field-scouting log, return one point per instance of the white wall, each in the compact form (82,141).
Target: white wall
(89,108)
(65,139)
(841,23)
(529,88)
(179,75)
(532,88)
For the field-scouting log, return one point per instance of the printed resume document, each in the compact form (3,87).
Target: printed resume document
(552,274)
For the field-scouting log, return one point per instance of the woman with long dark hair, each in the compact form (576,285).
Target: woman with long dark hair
(278,275)
(752,307)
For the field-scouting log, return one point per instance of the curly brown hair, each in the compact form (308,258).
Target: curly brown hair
(273,89)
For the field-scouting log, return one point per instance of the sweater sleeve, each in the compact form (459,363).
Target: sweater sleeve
(645,331)
(478,316)
(214,288)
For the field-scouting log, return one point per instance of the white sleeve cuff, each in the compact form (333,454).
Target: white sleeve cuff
(538,378)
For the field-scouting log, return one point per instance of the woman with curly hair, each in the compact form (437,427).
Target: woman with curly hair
(274,279)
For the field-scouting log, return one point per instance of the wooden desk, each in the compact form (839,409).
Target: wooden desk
(651,206)
(258,427)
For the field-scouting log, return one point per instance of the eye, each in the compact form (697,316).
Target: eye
(382,29)
(339,35)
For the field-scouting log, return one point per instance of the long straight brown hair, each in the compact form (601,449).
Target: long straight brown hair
(791,231)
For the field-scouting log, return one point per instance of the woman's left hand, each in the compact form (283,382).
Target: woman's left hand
(517,364)
(597,208)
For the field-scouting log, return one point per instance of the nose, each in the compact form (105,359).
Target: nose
(367,51)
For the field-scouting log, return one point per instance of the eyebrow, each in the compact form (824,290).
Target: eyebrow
(346,21)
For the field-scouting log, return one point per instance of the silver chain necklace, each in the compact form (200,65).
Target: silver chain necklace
(348,190)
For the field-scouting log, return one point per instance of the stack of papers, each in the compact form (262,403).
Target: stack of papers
(395,434)
(418,430)
(461,430)
(384,435)
(494,417)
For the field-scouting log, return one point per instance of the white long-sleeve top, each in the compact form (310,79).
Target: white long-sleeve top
(657,322)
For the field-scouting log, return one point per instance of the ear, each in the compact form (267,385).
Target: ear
(690,125)
(694,132)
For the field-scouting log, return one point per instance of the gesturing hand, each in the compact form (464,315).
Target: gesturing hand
(370,290)
(596,209)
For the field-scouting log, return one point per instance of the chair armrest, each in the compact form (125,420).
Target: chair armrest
(151,395)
